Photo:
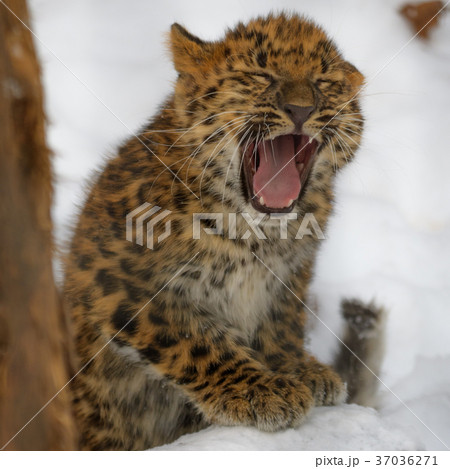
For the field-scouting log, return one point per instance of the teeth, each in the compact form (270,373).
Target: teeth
(261,201)
(301,166)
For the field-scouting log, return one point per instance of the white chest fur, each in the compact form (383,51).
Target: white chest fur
(242,297)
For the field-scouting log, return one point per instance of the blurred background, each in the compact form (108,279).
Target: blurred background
(106,69)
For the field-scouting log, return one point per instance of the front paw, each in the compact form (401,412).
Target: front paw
(271,404)
(325,384)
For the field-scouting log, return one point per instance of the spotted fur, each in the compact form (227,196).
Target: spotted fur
(194,331)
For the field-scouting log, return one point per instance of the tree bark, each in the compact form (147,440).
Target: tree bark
(35,344)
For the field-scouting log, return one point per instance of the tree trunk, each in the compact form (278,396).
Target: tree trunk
(35,345)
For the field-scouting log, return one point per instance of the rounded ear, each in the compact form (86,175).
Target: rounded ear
(353,75)
(189,53)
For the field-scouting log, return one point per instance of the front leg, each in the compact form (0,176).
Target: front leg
(279,343)
(210,364)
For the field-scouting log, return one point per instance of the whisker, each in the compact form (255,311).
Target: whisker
(201,122)
(212,156)
(231,161)
(352,124)
(244,151)
(271,143)
(175,110)
(206,140)
(333,152)
(344,132)
(185,159)
(225,126)
(168,131)
(237,120)
(344,145)
(231,123)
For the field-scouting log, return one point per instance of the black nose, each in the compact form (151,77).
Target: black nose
(298,114)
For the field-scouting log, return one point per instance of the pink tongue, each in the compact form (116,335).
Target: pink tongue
(277,180)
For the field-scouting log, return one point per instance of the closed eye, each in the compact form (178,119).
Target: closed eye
(261,77)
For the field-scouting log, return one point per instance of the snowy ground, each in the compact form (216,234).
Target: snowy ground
(390,236)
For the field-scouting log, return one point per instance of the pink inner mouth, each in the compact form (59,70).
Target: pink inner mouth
(276,179)
(279,169)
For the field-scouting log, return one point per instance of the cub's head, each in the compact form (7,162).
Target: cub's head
(267,109)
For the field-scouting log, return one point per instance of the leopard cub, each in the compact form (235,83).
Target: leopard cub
(211,330)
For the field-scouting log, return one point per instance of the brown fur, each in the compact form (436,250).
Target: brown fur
(222,341)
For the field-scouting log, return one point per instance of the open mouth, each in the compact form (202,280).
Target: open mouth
(276,171)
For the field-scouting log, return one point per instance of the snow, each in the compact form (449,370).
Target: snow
(389,237)
(362,428)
